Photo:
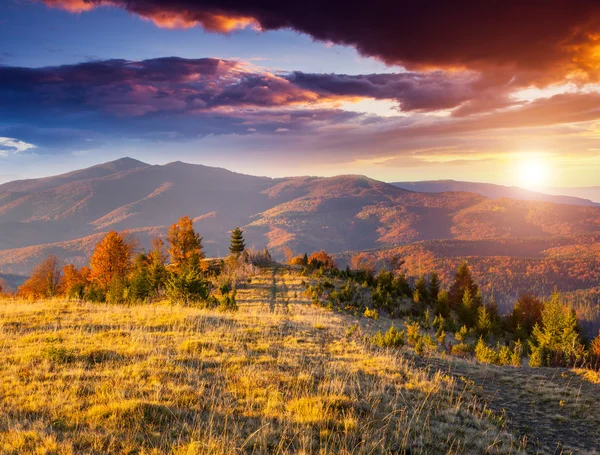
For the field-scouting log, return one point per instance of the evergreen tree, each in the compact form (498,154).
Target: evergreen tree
(442,305)
(139,281)
(434,286)
(157,271)
(557,341)
(467,311)
(463,280)
(484,324)
(421,286)
(237,244)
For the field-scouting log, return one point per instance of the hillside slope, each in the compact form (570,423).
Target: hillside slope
(279,376)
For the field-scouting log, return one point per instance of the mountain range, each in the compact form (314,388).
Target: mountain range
(68,214)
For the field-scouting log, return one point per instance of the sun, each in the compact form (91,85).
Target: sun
(533,172)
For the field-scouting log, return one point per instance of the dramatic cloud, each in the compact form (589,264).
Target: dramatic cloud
(513,41)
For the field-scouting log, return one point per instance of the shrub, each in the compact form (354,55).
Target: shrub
(373,314)
(393,338)
(485,353)
(412,332)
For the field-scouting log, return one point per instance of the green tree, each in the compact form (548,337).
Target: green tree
(463,280)
(237,245)
(556,341)
(484,324)
(157,271)
(421,287)
(434,286)
(139,281)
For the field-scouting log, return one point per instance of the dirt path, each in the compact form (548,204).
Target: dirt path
(555,409)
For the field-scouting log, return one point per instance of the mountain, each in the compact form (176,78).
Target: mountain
(67,214)
(573,196)
(591,192)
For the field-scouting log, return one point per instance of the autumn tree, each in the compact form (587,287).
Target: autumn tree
(237,245)
(185,245)
(73,281)
(44,281)
(111,260)
(321,259)
(186,283)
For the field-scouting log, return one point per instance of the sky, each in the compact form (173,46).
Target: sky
(504,92)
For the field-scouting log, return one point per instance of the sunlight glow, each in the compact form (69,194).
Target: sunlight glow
(533,172)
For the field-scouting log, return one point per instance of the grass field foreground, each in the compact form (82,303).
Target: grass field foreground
(279,376)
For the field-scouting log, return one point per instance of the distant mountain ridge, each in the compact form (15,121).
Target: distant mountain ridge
(67,214)
(494,191)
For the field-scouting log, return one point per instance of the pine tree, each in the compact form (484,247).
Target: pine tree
(484,322)
(557,341)
(185,245)
(237,245)
(434,286)
(157,272)
(139,280)
(421,286)
(463,280)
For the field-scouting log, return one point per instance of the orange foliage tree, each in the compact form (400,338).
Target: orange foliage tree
(111,259)
(44,281)
(74,280)
(321,259)
(185,245)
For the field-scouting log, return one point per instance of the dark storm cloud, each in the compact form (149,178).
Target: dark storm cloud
(529,41)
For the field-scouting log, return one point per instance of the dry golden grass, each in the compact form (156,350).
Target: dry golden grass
(277,377)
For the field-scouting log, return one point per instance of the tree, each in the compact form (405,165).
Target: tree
(237,245)
(526,313)
(421,288)
(463,280)
(44,281)
(111,260)
(321,259)
(157,272)
(434,286)
(556,341)
(185,245)
(484,324)
(139,281)
(467,311)
(73,281)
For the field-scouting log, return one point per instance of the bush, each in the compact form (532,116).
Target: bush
(485,353)
(393,338)
(373,314)
(187,286)
(412,332)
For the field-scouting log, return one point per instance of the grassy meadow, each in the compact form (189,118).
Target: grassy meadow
(278,376)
